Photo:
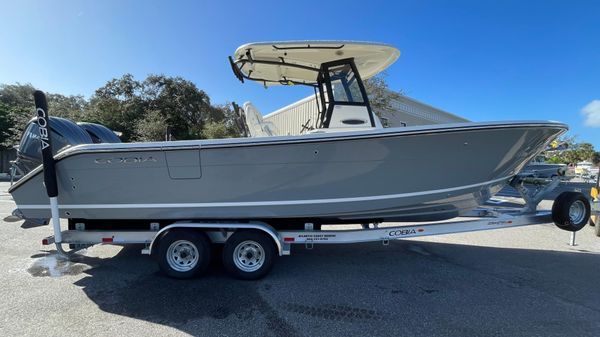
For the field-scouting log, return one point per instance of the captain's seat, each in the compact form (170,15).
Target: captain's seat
(257,127)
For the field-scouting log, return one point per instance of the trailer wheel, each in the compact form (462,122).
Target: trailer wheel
(248,254)
(571,211)
(183,254)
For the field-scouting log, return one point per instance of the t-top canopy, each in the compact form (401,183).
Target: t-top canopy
(298,62)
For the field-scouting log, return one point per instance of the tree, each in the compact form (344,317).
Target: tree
(19,117)
(596,158)
(215,130)
(17,94)
(585,151)
(223,116)
(6,125)
(554,160)
(181,103)
(152,127)
(119,104)
(70,107)
(570,151)
(158,102)
(380,95)
(20,109)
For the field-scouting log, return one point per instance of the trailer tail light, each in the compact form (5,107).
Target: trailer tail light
(45,242)
(288,239)
(107,240)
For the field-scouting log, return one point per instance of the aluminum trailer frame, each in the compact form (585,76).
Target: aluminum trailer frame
(219,232)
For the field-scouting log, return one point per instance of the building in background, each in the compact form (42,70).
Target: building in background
(289,120)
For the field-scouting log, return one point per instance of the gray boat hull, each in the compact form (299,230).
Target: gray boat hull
(416,174)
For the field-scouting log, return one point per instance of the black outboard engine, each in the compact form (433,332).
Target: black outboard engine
(99,133)
(64,133)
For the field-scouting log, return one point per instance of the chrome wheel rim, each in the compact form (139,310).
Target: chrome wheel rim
(577,212)
(249,256)
(182,255)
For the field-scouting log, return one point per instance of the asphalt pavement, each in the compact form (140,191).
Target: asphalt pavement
(511,282)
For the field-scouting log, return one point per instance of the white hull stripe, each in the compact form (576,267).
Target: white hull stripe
(264,203)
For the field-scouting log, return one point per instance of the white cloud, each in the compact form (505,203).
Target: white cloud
(592,113)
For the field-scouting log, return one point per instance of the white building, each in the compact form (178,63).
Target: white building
(407,112)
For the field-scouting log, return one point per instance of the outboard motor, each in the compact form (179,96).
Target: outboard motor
(99,133)
(64,133)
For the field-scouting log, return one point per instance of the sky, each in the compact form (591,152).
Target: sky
(482,60)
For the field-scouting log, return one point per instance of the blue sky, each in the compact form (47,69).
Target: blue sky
(484,60)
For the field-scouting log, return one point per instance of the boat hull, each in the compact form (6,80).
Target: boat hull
(399,174)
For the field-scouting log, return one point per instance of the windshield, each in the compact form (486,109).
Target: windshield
(344,84)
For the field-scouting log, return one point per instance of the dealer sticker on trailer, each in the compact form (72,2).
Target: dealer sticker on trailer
(316,237)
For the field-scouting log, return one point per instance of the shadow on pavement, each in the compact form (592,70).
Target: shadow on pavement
(33,224)
(411,287)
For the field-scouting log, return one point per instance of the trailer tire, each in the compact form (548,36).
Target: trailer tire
(571,211)
(249,254)
(183,254)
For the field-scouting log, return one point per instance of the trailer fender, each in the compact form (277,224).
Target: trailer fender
(201,225)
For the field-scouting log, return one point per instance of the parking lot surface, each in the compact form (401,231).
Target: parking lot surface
(511,282)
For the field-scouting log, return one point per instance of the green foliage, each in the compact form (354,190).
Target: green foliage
(17,95)
(596,158)
(554,160)
(221,123)
(184,107)
(585,151)
(575,152)
(151,128)
(380,95)
(119,105)
(141,110)
(6,124)
(71,107)
(215,130)
(175,103)
(18,107)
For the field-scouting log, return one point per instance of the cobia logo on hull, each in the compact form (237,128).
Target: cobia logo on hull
(43,123)
(125,160)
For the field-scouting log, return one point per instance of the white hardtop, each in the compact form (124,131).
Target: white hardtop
(370,59)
